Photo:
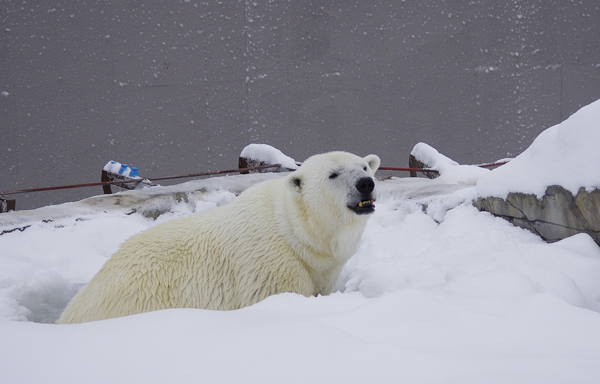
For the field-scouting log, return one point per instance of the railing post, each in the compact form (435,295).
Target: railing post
(7,204)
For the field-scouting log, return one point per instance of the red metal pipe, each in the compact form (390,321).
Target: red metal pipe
(135,180)
(493,164)
(487,165)
(406,169)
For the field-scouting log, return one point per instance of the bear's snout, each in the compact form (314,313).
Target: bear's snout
(365,185)
(363,205)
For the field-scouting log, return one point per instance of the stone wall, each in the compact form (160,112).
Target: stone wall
(556,216)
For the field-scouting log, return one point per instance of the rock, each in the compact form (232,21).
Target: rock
(556,216)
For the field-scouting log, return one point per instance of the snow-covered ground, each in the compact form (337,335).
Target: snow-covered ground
(437,293)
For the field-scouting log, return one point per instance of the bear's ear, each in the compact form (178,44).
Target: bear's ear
(373,161)
(296,183)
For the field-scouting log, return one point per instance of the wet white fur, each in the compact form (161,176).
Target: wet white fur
(292,234)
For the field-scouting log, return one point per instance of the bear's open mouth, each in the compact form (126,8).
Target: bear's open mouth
(363,207)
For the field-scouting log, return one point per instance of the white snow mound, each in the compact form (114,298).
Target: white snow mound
(567,154)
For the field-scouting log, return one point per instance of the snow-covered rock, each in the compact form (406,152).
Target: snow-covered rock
(552,187)
(450,171)
(254,155)
(567,154)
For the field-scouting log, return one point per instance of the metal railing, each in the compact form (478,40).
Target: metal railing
(109,179)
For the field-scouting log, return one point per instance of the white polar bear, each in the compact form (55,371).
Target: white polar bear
(292,234)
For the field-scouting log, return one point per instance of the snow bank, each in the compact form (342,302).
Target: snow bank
(469,256)
(472,296)
(437,292)
(268,155)
(450,171)
(567,154)
(406,336)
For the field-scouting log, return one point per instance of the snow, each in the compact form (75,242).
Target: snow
(268,155)
(566,154)
(438,292)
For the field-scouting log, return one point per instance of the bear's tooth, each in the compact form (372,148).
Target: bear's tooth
(360,203)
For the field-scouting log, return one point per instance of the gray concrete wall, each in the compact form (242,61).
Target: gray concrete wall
(182,86)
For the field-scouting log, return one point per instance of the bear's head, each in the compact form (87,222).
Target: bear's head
(336,183)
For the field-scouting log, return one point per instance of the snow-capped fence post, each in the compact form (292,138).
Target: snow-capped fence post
(115,171)
(414,163)
(426,159)
(259,155)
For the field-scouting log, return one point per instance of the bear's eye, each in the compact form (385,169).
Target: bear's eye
(365,169)
(333,175)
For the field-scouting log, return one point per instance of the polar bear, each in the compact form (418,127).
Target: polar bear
(292,234)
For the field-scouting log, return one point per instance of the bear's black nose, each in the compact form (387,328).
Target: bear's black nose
(365,185)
